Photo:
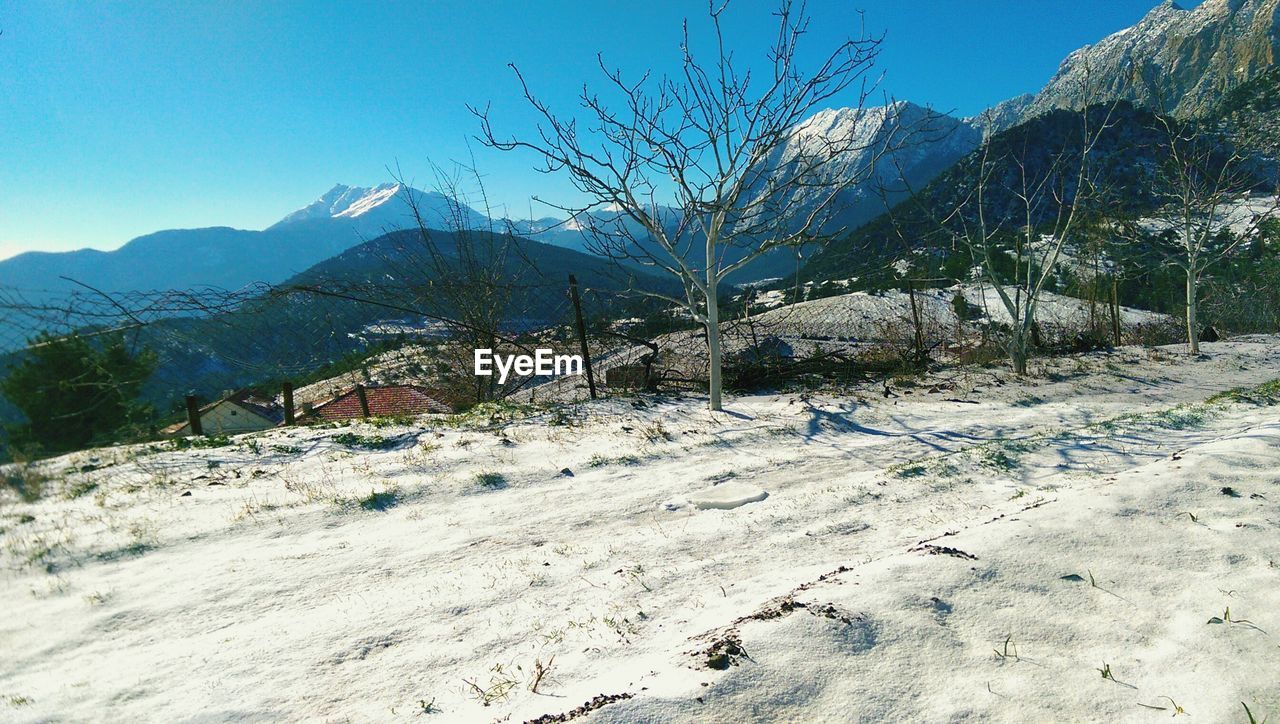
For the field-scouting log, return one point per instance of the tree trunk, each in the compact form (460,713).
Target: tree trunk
(1018,355)
(917,326)
(1193,334)
(1018,350)
(713,342)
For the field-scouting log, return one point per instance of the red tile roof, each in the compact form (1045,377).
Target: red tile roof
(389,401)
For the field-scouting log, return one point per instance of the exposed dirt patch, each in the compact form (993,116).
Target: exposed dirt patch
(786,605)
(934,550)
(596,702)
(725,647)
(724,651)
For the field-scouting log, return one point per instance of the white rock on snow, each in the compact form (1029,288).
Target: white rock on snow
(727,496)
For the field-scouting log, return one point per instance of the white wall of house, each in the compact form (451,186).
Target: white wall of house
(228,418)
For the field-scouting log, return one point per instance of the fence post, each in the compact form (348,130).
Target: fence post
(193,416)
(364,401)
(287,393)
(1115,311)
(582,335)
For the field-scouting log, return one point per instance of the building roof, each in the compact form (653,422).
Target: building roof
(174,428)
(384,401)
(260,406)
(242,399)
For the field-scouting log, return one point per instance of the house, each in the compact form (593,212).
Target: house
(384,401)
(241,411)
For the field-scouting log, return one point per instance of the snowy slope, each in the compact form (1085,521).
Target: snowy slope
(341,200)
(1074,522)
(866,316)
(1241,215)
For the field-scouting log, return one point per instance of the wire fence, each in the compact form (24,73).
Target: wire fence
(381,345)
(325,338)
(210,340)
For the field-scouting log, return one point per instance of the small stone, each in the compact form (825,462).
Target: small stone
(718,661)
(566,472)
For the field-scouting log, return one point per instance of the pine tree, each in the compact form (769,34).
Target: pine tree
(75,391)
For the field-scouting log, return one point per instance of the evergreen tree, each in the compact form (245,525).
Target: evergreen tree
(75,391)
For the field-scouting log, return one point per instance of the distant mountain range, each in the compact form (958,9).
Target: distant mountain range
(218,257)
(1125,157)
(345,216)
(224,257)
(1125,150)
(1216,62)
(894,146)
(289,334)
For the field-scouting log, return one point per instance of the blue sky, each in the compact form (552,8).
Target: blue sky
(124,118)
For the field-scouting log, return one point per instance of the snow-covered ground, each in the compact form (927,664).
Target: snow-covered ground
(865,316)
(1099,542)
(850,322)
(1241,215)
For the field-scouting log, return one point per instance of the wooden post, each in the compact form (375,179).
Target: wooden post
(1115,311)
(287,393)
(364,400)
(582,335)
(193,415)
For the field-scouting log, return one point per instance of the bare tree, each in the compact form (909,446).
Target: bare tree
(1023,210)
(699,174)
(461,260)
(453,267)
(1206,209)
(902,207)
(1021,204)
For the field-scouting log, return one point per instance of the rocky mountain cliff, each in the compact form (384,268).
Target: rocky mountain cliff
(1251,113)
(1174,60)
(1005,114)
(891,147)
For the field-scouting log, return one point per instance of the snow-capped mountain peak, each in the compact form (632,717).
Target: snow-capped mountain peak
(884,145)
(368,200)
(345,201)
